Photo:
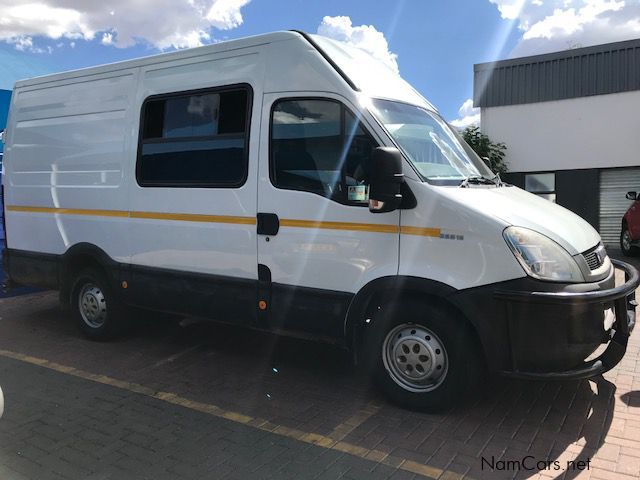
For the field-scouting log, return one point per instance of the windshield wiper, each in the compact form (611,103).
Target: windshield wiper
(480,180)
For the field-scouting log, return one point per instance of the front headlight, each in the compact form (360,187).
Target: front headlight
(541,257)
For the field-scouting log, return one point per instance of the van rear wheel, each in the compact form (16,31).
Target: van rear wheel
(422,357)
(97,313)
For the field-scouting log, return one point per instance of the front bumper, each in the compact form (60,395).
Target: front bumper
(551,332)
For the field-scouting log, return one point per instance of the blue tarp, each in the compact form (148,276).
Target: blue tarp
(5,99)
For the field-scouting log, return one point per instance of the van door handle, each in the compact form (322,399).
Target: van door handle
(268,224)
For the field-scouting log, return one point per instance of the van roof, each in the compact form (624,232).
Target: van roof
(224,46)
(358,68)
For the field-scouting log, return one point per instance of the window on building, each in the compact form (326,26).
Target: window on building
(542,184)
(195,139)
(319,146)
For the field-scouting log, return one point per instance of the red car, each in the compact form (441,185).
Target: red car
(630,233)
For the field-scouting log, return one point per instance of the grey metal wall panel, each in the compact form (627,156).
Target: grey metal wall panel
(577,191)
(614,184)
(597,70)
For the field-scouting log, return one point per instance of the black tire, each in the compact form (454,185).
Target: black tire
(629,250)
(442,325)
(109,316)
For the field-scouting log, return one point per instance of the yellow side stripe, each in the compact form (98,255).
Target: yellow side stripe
(425,232)
(68,211)
(360,227)
(239,220)
(194,217)
(186,217)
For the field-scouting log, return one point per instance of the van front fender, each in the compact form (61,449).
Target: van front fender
(385,291)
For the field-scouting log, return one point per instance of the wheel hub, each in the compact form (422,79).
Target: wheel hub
(93,306)
(415,358)
(626,240)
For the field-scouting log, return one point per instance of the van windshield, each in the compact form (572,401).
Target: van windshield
(436,150)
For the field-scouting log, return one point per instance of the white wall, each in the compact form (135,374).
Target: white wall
(591,132)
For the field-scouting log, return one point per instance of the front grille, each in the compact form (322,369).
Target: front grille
(595,257)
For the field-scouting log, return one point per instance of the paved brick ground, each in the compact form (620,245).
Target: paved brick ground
(59,426)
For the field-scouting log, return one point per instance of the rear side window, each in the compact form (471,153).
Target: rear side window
(197,139)
(319,146)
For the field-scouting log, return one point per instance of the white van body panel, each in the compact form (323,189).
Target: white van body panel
(69,146)
(517,207)
(286,72)
(445,240)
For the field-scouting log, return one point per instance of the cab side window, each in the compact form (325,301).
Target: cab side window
(195,139)
(319,146)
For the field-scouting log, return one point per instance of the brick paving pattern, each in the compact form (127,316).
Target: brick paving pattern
(60,426)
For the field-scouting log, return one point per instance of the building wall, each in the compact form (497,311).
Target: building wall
(599,131)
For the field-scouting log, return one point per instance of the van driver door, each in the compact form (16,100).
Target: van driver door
(318,243)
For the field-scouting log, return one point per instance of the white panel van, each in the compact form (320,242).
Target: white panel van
(290,183)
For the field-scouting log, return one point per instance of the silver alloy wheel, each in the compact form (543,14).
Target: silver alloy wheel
(626,240)
(415,358)
(93,305)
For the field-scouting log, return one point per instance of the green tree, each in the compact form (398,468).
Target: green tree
(486,149)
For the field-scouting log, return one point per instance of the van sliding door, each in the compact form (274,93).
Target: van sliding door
(193,203)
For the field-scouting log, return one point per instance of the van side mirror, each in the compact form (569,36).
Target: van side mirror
(632,196)
(386,180)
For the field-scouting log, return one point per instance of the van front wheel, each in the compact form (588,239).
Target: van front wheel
(95,310)
(423,357)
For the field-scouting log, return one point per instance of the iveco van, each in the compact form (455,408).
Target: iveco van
(290,183)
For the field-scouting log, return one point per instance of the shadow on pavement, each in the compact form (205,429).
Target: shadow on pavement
(631,399)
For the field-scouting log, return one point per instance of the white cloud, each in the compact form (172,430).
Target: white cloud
(468,115)
(365,37)
(107,38)
(550,25)
(509,9)
(122,23)
(25,44)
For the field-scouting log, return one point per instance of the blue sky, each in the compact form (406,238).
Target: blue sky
(436,41)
